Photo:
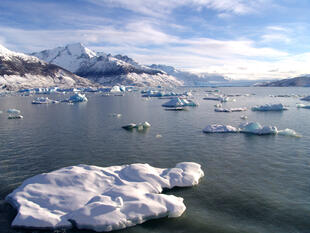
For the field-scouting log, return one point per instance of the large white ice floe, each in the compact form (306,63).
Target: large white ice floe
(214,128)
(178,102)
(269,107)
(250,128)
(44,100)
(230,109)
(101,199)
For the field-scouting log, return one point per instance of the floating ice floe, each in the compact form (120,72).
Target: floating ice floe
(243,117)
(214,128)
(303,106)
(76,98)
(269,107)
(141,126)
(256,128)
(101,199)
(220,98)
(178,102)
(13,111)
(250,128)
(307,98)
(44,100)
(230,109)
(15,116)
(117,115)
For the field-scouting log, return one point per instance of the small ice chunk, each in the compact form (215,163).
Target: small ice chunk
(289,132)
(13,111)
(243,117)
(146,125)
(158,136)
(15,116)
(129,126)
(214,128)
(303,106)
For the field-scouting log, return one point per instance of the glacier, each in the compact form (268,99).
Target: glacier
(101,198)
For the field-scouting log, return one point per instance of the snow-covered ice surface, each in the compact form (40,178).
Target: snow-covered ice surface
(101,199)
(250,128)
(220,129)
(178,102)
(256,128)
(269,107)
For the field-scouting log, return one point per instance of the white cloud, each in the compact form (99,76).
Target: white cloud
(146,43)
(163,7)
(276,37)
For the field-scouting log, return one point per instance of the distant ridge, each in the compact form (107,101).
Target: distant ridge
(301,81)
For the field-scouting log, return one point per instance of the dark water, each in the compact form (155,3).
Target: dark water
(251,184)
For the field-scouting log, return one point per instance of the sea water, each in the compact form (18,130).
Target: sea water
(252,183)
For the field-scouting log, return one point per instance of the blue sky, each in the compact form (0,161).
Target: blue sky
(241,39)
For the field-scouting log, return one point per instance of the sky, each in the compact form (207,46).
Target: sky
(240,39)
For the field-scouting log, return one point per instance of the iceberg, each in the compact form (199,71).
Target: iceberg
(13,111)
(289,132)
(307,98)
(129,126)
(44,100)
(15,116)
(214,128)
(230,109)
(256,128)
(76,98)
(178,102)
(250,128)
(101,198)
(243,117)
(303,106)
(269,107)
(141,126)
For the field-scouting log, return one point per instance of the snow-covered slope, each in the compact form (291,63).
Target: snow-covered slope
(302,81)
(105,69)
(19,70)
(190,78)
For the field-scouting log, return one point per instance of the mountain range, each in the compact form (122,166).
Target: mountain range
(301,81)
(104,68)
(18,70)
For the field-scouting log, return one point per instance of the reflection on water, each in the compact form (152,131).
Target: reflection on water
(251,184)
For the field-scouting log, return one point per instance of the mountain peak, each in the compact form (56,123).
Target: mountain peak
(78,49)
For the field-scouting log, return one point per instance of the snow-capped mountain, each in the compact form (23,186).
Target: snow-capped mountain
(190,79)
(301,81)
(18,70)
(105,68)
